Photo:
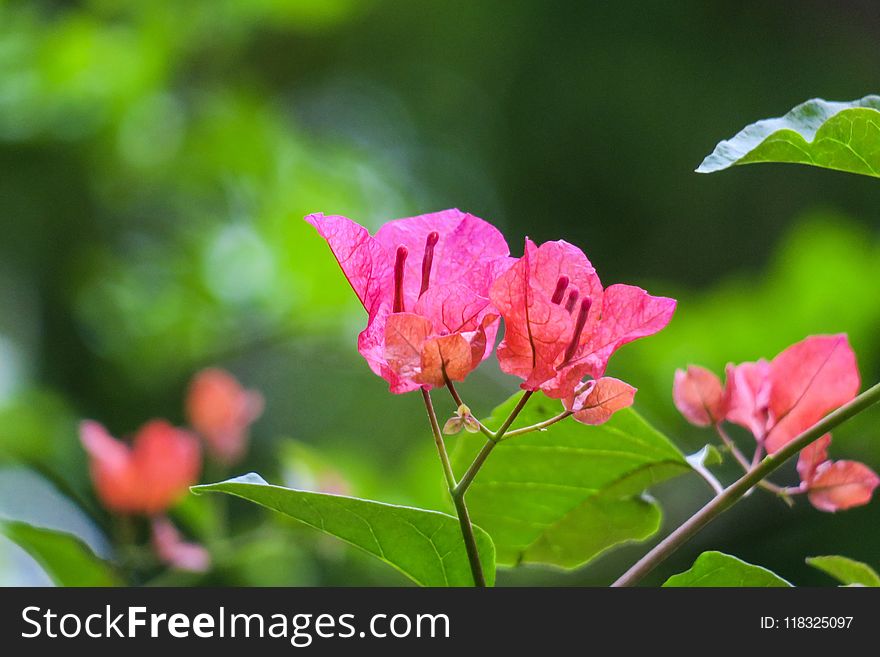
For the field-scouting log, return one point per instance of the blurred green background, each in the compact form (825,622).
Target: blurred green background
(156,159)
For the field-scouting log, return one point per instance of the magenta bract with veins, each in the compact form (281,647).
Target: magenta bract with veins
(561,325)
(424,282)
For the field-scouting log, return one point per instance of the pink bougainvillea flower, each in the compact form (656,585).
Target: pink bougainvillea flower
(561,325)
(424,282)
(601,399)
(176,552)
(146,477)
(699,395)
(778,400)
(221,411)
(834,485)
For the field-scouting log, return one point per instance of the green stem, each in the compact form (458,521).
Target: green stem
(464,520)
(474,467)
(732,448)
(746,466)
(438,440)
(493,440)
(733,493)
(540,426)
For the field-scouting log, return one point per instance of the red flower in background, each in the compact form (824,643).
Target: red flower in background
(147,477)
(424,282)
(221,411)
(780,399)
(563,326)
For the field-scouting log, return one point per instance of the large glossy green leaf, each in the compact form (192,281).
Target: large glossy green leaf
(566,494)
(842,136)
(426,546)
(65,558)
(719,569)
(845,570)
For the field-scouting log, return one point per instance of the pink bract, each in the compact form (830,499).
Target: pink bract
(834,485)
(424,282)
(778,400)
(600,400)
(807,381)
(561,325)
(699,396)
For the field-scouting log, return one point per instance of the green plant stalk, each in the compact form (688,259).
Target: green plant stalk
(464,520)
(733,493)
(493,440)
(457,490)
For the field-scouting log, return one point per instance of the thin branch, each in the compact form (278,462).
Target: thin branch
(706,474)
(464,520)
(438,440)
(746,466)
(732,448)
(733,493)
(494,438)
(540,426)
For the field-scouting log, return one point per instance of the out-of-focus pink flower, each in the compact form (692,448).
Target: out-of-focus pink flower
(561,325)
(176,552)
(807,381)
(699,395)
(779,400)
(748,397)
(221,411)
(776,401)
(147,477)
(424,282)
(834,485)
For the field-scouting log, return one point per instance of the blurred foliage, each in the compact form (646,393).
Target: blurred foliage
(156,160)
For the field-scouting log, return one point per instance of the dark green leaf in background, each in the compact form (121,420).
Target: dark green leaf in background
(566,494)
(426,546)
(66,559)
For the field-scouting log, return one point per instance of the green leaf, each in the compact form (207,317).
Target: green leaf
(66,559)
(719,569)
(846,571)
(841,136)
(426,546)
(566,494)
(708,455)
